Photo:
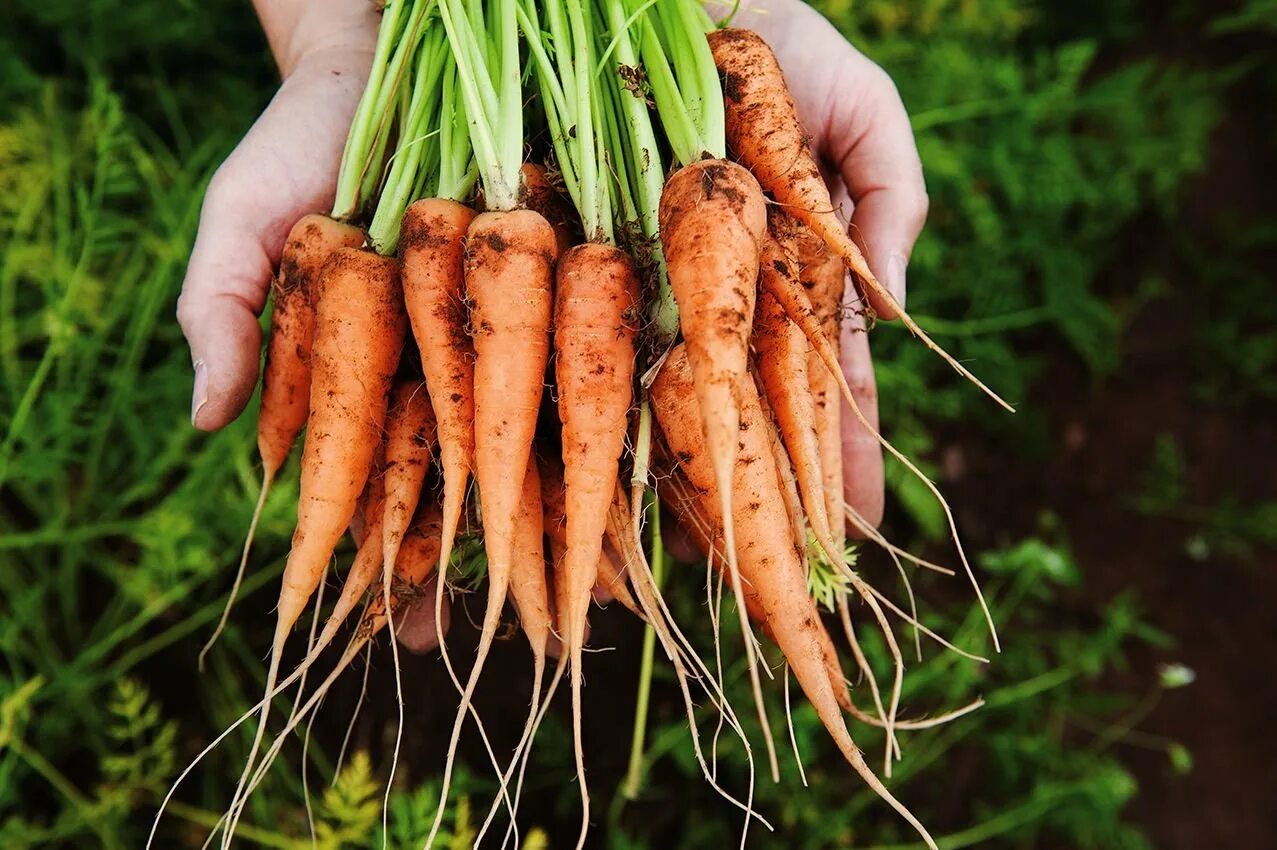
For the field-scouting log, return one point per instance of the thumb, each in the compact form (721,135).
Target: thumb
(871,144)
(224,291)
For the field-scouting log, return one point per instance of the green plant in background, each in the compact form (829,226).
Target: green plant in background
(119,524)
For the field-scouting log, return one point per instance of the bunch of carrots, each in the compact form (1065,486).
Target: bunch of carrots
(581,265)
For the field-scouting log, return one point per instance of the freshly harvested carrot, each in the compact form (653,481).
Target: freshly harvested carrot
(764,132)
(610,576)
(410,439)
(769,568)
(537,192)
(285,402)
(782,367)
(822,274)
(509,259)
(432,241)
(785,472)
(359,333)
(595,324)
(713,217)
(712,220)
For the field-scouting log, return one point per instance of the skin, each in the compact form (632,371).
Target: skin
(286,166)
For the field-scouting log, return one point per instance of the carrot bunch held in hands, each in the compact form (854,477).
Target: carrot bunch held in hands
(516,321)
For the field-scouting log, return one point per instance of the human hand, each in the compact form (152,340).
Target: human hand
(285,167)
(862,138)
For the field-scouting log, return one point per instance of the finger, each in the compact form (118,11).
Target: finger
(253,200)
(861,452)
(415,628)
(869,141)
(224,291)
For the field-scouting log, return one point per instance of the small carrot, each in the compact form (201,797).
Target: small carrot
(359,333)
(432,240)
(822,274)
(595,310)
(782,367)
(764,132)
(768,566)
(508,274)
(285,400)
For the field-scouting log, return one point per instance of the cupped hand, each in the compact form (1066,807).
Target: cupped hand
(862,137)
(285,167)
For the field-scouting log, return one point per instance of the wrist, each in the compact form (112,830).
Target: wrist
(299,30)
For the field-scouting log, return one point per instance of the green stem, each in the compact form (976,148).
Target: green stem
(634,776)
(417,137)
(355,154)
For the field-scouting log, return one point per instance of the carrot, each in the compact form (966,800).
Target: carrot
(508,261)
(713,217)
(530,594)
(764,132)
(537,192)
(768,566)
(359,333)
(610,576)
(595,312)
(432,240)
(285,402)
(822,274)
(410,438)
(782,368)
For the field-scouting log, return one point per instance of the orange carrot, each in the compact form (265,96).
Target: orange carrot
(768,565)
(782,367)
(822,274)
(712,220)
(359,333)
(537,192)
(595,311)
(764,132)
(410,438)
(508,274)
(432,241)
(285,402)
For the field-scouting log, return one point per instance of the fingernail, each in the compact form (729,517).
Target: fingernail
(895,281)
(199,393)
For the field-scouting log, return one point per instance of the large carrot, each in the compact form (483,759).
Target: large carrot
(285,400)
(538,193)
(508,273)
(359,333)
(782,368)
(764,132)
(596,310)
(768,566)
(713,218)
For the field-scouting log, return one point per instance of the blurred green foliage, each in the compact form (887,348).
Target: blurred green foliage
(1043,139)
